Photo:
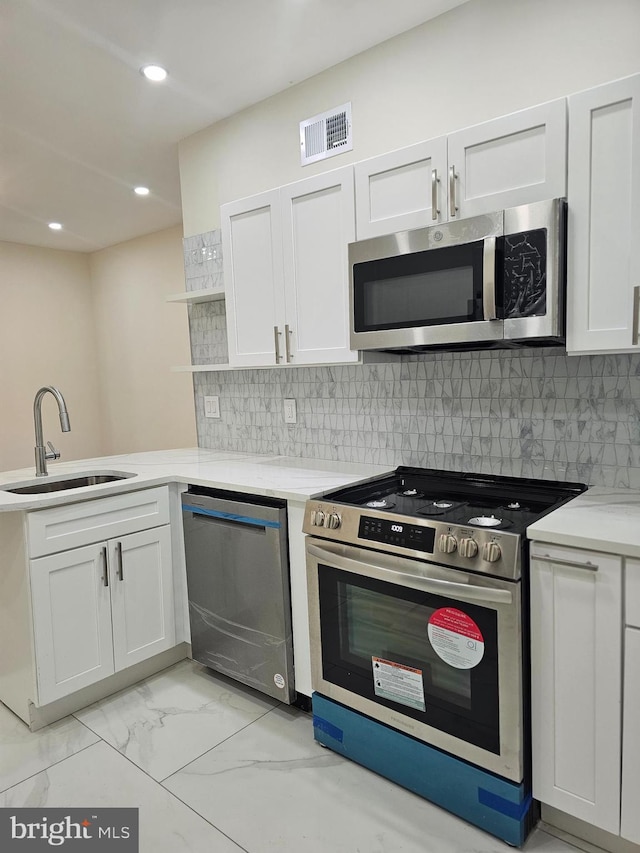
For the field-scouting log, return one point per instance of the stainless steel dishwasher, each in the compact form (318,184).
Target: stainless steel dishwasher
(238,586)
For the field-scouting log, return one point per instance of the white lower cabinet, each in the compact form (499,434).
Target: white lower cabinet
(630,815)
(576,682)
(101,608)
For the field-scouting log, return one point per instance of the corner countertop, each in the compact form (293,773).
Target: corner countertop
(286,477)
(601,519)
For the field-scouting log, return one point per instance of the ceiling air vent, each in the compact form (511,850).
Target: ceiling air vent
(326,135)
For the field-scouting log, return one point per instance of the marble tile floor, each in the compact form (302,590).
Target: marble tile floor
(215,767)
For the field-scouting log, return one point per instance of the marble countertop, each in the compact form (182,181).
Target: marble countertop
(601,519)
(290,478)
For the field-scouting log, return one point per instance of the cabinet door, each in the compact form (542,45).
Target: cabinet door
(516,159)
(318,223)
(402,189)
(142,599)
(630,820)
(252,258)
(71,621)
(576,654)
(603,264)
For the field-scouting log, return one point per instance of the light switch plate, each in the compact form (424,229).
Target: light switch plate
(212,407)
(290,414)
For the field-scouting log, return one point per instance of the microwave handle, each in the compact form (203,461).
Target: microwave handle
(461,591)
(489,310)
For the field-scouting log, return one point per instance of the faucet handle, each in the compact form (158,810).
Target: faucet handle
(53,454)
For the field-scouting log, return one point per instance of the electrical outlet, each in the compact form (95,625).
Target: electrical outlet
(290,416)
(212,407)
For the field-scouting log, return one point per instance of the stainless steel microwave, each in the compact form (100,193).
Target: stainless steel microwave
(496,280)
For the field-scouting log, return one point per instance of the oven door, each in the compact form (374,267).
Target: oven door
(431,651)
(429,287)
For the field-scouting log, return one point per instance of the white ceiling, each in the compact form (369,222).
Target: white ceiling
(80,126)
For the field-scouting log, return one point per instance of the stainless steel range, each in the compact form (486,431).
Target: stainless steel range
(419,633)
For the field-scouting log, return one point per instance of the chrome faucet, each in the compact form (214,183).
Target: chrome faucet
(41,451)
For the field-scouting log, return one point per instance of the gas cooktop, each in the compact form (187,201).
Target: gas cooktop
(473,521)
(473,500)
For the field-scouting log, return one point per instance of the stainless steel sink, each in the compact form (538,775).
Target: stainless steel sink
(39,487)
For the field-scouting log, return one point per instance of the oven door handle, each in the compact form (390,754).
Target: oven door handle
(461,591)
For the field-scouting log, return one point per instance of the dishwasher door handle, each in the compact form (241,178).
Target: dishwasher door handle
(230,516)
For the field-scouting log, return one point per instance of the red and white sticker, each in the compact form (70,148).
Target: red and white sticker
(455,638)
(400,683)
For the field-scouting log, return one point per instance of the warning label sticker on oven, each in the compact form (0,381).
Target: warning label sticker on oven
(399,683)
(455,638)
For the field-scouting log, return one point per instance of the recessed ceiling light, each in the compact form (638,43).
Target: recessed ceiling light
(55,226)
(141,190)
(156,73)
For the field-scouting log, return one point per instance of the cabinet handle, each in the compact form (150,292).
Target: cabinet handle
(453,209)
(276,335)
(287,343)
(636,315)
(571,563)
(105,570)
(435,180)
(120,570)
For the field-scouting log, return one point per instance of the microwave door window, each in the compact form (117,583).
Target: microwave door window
(425,299)
(432,288)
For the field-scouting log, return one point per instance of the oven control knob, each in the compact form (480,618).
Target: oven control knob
(447,543)
(468,548)
(332,520)
(318,521)
(491,552)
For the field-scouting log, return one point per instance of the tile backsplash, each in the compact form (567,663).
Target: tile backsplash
(203,260)
(529,412)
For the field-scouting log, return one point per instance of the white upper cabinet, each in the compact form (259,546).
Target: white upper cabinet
(508,161)
(286,275)
(603,265)
(516,159)
(318,223)
(252,253)
(402,190)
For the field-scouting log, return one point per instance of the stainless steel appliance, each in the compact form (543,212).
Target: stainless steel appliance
(238,586)
(492,280)
(418,622)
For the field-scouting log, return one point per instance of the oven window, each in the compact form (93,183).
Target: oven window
(435,287)
(375,621)
(365,621)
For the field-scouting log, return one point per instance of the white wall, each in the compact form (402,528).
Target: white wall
(139,337)
(47,337)
(99,328)
(483,59)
